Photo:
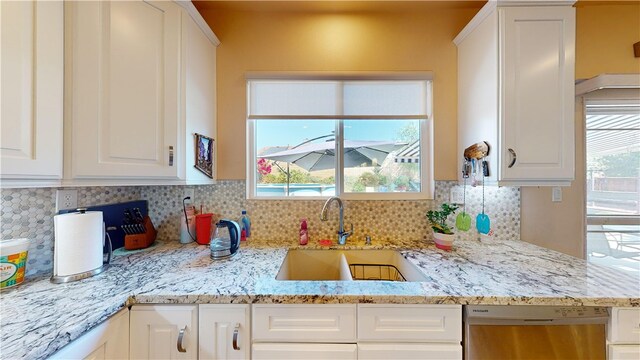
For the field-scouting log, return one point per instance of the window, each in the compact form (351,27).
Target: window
(613,183)
(354,138)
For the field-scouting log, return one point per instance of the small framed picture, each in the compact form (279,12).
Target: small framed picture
(204,154)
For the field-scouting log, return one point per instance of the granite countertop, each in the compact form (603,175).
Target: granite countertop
(38,318)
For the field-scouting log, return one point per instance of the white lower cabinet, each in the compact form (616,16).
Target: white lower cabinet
(278,331)
(388,331)
(623,334)
(410,323)
(299,351)
(326,323)
(362,331)
(623,352)
(224,331)
(109,340)
(164,332)
(397,351)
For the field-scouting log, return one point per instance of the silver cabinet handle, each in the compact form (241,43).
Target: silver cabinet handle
(513,157)
(170,155)
(236,330)
(180,337)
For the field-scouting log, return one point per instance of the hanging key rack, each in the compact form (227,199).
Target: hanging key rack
(476,153)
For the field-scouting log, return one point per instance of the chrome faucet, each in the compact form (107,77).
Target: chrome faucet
(342,235)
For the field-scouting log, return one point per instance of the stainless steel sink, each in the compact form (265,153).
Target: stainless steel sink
(347,265)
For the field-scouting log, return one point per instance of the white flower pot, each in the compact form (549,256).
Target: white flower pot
(443,241)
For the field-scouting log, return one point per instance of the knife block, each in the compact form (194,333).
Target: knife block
(141,241)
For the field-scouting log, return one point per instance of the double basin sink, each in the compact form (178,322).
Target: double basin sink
(347,265)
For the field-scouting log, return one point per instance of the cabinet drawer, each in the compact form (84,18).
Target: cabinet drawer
(304,323)
(398,351)
(624,326)
(305,351)
(410,323)
(623,352)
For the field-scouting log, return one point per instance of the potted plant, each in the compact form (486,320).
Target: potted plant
(442,233)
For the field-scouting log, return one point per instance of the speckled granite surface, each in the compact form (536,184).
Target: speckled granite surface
(38,318)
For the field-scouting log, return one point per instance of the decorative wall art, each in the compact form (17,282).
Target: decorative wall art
(204,154)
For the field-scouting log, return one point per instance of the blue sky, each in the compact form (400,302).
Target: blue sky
(293,132)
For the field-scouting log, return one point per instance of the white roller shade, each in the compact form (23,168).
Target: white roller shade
(385,98)
(294,98)
(339,99)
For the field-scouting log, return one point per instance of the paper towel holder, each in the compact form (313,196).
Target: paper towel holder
(61,279)
(75,277)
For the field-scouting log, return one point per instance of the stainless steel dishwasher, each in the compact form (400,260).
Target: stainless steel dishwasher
(534,332)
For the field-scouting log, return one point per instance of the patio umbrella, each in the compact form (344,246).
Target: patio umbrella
(410,154)
(321,156)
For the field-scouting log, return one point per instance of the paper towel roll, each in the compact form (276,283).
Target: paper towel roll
(78,242)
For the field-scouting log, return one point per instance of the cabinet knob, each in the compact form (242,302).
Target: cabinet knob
(513,157)
(170,155)
(236,330)
(180,338)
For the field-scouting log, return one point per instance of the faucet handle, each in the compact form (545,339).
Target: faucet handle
(350,232)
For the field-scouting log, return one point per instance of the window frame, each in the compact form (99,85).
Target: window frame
(611,97)
(426,127)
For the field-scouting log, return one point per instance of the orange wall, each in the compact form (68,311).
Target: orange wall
(605,35)
(604,44)
(407,40)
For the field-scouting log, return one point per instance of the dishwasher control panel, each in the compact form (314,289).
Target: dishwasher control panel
(577,312)
(524,313)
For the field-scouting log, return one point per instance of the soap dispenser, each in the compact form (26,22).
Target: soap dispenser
(304,233)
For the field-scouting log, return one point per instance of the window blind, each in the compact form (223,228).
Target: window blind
(318,99)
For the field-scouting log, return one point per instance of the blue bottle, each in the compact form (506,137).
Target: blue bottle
(245,223)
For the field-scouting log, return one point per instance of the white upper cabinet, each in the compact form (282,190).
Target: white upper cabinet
(516,91)
(123,89)
(198,92)
(538,100)
(140,84)
(31,74)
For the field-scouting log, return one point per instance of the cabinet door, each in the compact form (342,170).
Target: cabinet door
(199,94)
(537,110)
(624,326)
(124,104)
(224,331)
(31,94)
(155,332)
(109,340)
(304,351)
(409,351)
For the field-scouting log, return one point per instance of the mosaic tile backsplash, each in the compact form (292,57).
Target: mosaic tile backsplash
(29,213)
(279,220)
